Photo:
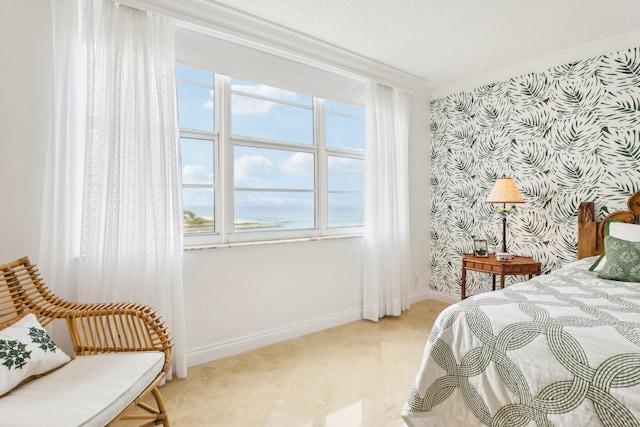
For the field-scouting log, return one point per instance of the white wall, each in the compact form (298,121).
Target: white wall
(236,298)
(25,107)
(419,154)
(244,297)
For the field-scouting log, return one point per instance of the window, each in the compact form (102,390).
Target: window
(268,163)
(195,91)
(345,133)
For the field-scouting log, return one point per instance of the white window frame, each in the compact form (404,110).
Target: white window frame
(223,187)
(337,152)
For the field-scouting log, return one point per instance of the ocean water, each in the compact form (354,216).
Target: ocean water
(282,218)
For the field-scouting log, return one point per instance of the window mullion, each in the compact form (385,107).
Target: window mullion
(196,134)
(269,144)
(225,185)
(345,115)
(269,99)
(197,185)
(193,83)
(342,152)
(271,190)
(321,183)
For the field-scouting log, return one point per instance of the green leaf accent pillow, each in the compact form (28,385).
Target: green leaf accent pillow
(621,230)
(623,260)
(26,351)
(601,260)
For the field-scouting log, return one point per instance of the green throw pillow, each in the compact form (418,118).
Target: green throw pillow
(623,260)
(606,233)
(597,262)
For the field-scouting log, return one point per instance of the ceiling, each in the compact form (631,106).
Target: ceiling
(445,41)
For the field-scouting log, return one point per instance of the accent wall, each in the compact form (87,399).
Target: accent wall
(565,135)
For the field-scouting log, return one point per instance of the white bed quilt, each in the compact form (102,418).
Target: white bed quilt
(562,349)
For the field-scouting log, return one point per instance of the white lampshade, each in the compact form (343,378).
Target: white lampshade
(504,191)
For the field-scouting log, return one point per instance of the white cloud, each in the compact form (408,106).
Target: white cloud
(258,107)
(209,103)
(268,91)
(251,106)
(345,165)
(196,174)
(253,171)
(298,164)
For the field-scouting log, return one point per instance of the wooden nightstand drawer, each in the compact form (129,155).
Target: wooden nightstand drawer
(519,265)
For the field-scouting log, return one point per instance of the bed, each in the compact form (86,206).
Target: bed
(562,349)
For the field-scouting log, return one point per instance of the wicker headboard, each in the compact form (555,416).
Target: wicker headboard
(591,233)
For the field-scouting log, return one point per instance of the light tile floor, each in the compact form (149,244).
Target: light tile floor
(358,374)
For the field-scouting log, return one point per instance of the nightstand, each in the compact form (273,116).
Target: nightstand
(519,265)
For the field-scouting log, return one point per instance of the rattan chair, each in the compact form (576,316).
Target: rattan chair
(94,329)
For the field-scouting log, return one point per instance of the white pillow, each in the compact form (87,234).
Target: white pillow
(26,350)
(620,230)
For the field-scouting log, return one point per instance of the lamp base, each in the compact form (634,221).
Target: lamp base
(504,234)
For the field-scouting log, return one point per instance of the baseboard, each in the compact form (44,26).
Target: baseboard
(443,296)
(249,342)
(420,295)
(435,295)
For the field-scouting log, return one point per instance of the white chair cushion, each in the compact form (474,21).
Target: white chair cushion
(88,391)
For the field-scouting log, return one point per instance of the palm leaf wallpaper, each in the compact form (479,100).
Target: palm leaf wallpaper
(566,135)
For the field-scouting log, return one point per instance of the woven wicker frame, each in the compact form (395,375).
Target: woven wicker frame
(94,328)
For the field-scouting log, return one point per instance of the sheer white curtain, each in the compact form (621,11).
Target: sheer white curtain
(113,209)
(386,224)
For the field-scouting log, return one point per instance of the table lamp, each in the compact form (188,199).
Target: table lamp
(504,191)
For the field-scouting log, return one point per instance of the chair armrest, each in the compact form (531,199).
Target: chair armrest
(117,327)
(94,328)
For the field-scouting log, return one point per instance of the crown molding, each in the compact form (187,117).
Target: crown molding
(252,31)
(542,63)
